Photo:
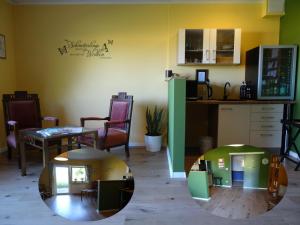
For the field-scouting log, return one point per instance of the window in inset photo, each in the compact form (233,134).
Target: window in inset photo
(86,185)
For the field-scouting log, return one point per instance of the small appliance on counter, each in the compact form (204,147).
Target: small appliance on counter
(271,72)
(204,88)
(191,90)
(246,92)
(200,87)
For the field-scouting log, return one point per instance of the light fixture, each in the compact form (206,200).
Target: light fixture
(61,158)
(236,145)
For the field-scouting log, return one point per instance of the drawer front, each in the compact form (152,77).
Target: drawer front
(272,126)
(233,124)
(265,139)
(267,108)
(266,117)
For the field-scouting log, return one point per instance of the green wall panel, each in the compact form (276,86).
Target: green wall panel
(198,184)
(290,34)
(176,123)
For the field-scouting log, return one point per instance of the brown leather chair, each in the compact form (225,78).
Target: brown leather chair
(117,128)
(21,111)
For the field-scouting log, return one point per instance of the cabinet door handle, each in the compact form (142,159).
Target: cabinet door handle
(267,126)
(214,54)
(225,109)
(267,117)
(266,135)
(267,108)
(207,55)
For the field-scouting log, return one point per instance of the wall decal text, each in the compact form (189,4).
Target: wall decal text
(86,48)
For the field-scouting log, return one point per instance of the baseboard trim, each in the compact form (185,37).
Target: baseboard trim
(174,174)
(141,145)
(224,186)
(202,199)
(228,186)
(257,188)
(294,155)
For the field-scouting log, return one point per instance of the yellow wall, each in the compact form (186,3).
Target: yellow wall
(7,66)
(145,44)
(255,31)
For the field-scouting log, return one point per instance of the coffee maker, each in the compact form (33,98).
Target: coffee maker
(204,87)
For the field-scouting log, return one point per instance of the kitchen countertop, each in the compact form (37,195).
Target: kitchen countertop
(238,101)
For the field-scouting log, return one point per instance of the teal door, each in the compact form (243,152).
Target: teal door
(251,170)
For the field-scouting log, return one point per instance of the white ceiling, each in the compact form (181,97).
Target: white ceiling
(24,2)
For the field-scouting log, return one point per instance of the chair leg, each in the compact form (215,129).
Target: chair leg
(127,150)
(19,158)
(9,152)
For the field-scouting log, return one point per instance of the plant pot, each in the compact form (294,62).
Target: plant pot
(153,143)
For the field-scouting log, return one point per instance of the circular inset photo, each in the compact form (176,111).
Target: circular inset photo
(86,185)
(237,181)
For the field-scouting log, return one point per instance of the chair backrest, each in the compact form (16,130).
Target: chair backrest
(23,108)
(121,109)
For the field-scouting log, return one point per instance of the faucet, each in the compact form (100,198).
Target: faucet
(225,91)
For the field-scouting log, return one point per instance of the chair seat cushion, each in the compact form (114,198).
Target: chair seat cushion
(115,137)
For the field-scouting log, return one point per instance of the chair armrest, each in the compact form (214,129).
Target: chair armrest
(83,119)
(13,126)
(12,123)
(51,118)
(115,122)
(108,124)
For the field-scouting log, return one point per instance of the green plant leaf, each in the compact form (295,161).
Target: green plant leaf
(154,121)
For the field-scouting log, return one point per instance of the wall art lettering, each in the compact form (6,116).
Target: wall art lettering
(86,48)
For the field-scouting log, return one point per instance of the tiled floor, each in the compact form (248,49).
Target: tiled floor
(157,200)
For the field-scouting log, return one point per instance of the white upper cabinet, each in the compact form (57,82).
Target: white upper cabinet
(209,46)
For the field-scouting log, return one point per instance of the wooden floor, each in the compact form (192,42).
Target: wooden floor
(73,208)
(157,199)
(236,202)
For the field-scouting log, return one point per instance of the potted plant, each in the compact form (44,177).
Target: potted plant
(153,137)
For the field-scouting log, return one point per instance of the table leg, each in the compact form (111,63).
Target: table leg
(70,143)
(96,139)
(45,154)
(23,156)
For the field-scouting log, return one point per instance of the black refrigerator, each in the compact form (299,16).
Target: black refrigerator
(271,72)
